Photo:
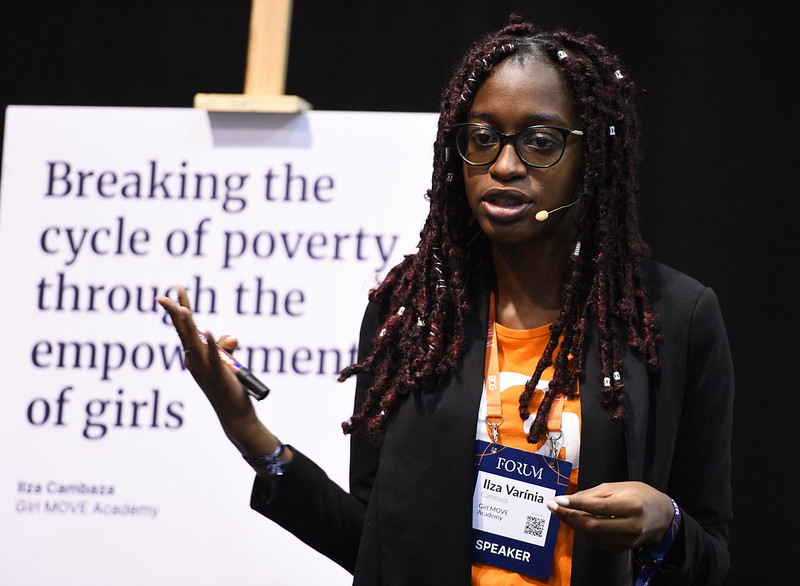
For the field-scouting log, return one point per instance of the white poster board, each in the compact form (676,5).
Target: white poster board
(114,469)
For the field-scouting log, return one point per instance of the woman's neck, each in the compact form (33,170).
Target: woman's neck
(529,282)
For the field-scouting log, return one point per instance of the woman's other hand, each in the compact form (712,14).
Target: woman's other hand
(616,516)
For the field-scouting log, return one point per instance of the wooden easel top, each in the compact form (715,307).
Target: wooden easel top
(265,76)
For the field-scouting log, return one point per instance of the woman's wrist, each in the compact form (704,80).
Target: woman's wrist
(666,514)
(252,439)
(650,559)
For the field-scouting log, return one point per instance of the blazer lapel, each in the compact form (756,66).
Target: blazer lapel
(637,410)
(611,451)
(602,439)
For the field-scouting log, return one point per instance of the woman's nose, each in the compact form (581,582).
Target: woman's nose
(508,165)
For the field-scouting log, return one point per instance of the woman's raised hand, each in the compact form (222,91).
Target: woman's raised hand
(223,390)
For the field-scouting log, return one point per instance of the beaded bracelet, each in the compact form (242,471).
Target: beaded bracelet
(274,465)
(272,462)
(651,559)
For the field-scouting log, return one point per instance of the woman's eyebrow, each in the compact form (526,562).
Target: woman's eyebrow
(531,119)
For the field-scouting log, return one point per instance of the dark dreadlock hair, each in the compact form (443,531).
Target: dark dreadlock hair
(426,298)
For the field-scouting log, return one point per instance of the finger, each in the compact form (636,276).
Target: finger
(218,371)
(168,305)
(183,298)
(611,533)
(602,503)
(212,353)
(565,509)
(604,490)
(182,321)
(229,343)
(185,323)
(187,329)
(599,507)
(175,311)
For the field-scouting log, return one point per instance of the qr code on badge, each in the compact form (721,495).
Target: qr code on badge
(534,526)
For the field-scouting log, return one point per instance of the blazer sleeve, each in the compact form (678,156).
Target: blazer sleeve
(700,482)
(311,506)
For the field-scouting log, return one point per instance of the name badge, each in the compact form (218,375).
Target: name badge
(511,524)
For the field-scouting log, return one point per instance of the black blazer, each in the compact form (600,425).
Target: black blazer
(407,517)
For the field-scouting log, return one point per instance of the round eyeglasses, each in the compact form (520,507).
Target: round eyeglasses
(537,146)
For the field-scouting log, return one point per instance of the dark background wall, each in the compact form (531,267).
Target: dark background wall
(719,180)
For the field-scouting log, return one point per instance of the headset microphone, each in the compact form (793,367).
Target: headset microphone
(542,215)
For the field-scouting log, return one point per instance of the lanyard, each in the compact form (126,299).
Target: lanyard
(494,402)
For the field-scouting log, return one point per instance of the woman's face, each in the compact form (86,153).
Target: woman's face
(506,195)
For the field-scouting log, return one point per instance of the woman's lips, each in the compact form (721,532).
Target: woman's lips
(505,206)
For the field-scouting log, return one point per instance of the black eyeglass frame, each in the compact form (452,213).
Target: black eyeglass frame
(513,139)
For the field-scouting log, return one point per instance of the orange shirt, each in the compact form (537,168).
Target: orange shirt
(518,353)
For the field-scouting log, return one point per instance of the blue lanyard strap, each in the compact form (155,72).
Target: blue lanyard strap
(651,559)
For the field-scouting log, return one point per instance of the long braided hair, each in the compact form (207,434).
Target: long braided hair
(426,296)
